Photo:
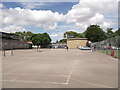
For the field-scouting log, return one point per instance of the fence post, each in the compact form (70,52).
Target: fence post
(4,52)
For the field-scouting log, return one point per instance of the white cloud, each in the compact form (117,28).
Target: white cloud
(89,12)
(97,19)
(99,1)
(40,0)
(78,14)
(106,24)
(54,35)
(81,15)
(1,5)
(32,5)
(22,17)
(73,30)
(50,27)
(12,29)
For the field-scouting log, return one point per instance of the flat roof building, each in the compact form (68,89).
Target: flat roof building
(9,36)
(12,41)
(76,42)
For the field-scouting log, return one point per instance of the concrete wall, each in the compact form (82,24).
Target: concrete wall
(76,43)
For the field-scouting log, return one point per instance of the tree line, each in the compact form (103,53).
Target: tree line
(93,33)
(42,39)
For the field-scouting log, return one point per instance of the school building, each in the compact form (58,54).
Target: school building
(76,42)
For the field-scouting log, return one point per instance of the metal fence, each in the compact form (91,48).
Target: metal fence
(109,46)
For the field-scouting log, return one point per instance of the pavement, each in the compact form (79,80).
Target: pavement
(59,68)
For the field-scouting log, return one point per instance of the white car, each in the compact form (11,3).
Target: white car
(85,48)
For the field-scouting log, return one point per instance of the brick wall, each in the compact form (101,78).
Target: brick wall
(76,43)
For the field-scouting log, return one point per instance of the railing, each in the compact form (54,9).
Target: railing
(109,46)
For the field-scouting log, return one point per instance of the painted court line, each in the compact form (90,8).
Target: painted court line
(71,72)
(35,74)
(20,81)
(60,74)
(80,54)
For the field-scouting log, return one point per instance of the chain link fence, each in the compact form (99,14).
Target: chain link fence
(109,46)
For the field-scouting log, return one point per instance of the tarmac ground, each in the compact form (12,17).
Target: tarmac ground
(58,68)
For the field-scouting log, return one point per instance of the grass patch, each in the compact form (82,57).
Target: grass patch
(108,52)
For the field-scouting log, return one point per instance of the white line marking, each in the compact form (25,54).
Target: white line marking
(35,74)
(33,82)
(80,53)
(60,74)
(71,72)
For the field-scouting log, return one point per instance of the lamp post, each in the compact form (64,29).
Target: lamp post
(3,47)
(12,50)
(66,37)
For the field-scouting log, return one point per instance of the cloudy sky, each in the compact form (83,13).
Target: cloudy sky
(55,18)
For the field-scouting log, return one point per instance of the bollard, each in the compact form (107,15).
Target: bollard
(112,53)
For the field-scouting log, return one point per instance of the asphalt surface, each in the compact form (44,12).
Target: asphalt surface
(59,68)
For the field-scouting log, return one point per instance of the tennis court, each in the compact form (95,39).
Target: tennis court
(59,68)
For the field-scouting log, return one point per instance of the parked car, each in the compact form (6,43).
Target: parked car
(114,48)
(85,48)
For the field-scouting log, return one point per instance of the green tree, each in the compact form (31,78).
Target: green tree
(41,39)
(63,41)
(57,41)
(36,39)
(80,35)
(117,32)
(46,40)
(110,33)
(72,34)
(28,36)
(94,33)
(25,36)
